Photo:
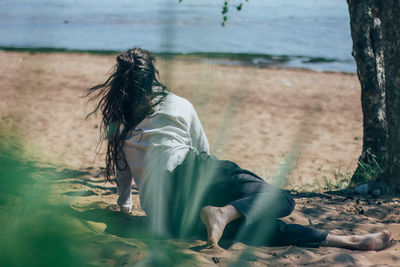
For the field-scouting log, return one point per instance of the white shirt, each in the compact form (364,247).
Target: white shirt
(161,142)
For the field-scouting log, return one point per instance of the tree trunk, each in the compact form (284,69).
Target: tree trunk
(366,32)
(391,37)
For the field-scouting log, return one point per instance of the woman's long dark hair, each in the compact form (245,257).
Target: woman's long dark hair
(126,98)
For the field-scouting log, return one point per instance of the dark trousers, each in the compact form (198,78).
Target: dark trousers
(204,180)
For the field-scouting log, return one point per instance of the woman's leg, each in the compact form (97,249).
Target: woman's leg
(249,197)
(259,231)
(231,196)
(281,234)
(259,204)
(216,219)
(376,241)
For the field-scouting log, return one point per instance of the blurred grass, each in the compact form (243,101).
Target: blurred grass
(35,231)
(39,229)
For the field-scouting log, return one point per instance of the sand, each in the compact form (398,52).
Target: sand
(256,117)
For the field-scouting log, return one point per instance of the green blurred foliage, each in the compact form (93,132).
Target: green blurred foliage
(38,228)
(34,230)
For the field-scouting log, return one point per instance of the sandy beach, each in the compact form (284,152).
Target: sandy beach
(257,117)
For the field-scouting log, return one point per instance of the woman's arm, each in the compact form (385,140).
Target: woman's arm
(199,137)
(124,185)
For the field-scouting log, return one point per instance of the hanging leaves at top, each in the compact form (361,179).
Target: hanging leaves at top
(225,9)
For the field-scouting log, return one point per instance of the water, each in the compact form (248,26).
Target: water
(313,31)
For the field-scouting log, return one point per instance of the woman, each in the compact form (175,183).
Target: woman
(156,138)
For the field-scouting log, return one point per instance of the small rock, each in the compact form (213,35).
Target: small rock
(362,189)
(379,185)
(215,259)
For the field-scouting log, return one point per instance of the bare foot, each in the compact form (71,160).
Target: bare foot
(215,222)
(368,242)
(377,241)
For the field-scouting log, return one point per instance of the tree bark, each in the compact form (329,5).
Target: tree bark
(368,51)
(391,37)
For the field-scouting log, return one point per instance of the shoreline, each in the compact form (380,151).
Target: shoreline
(257,60)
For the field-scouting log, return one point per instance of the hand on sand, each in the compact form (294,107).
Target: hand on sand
(213,247)
(118,208)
